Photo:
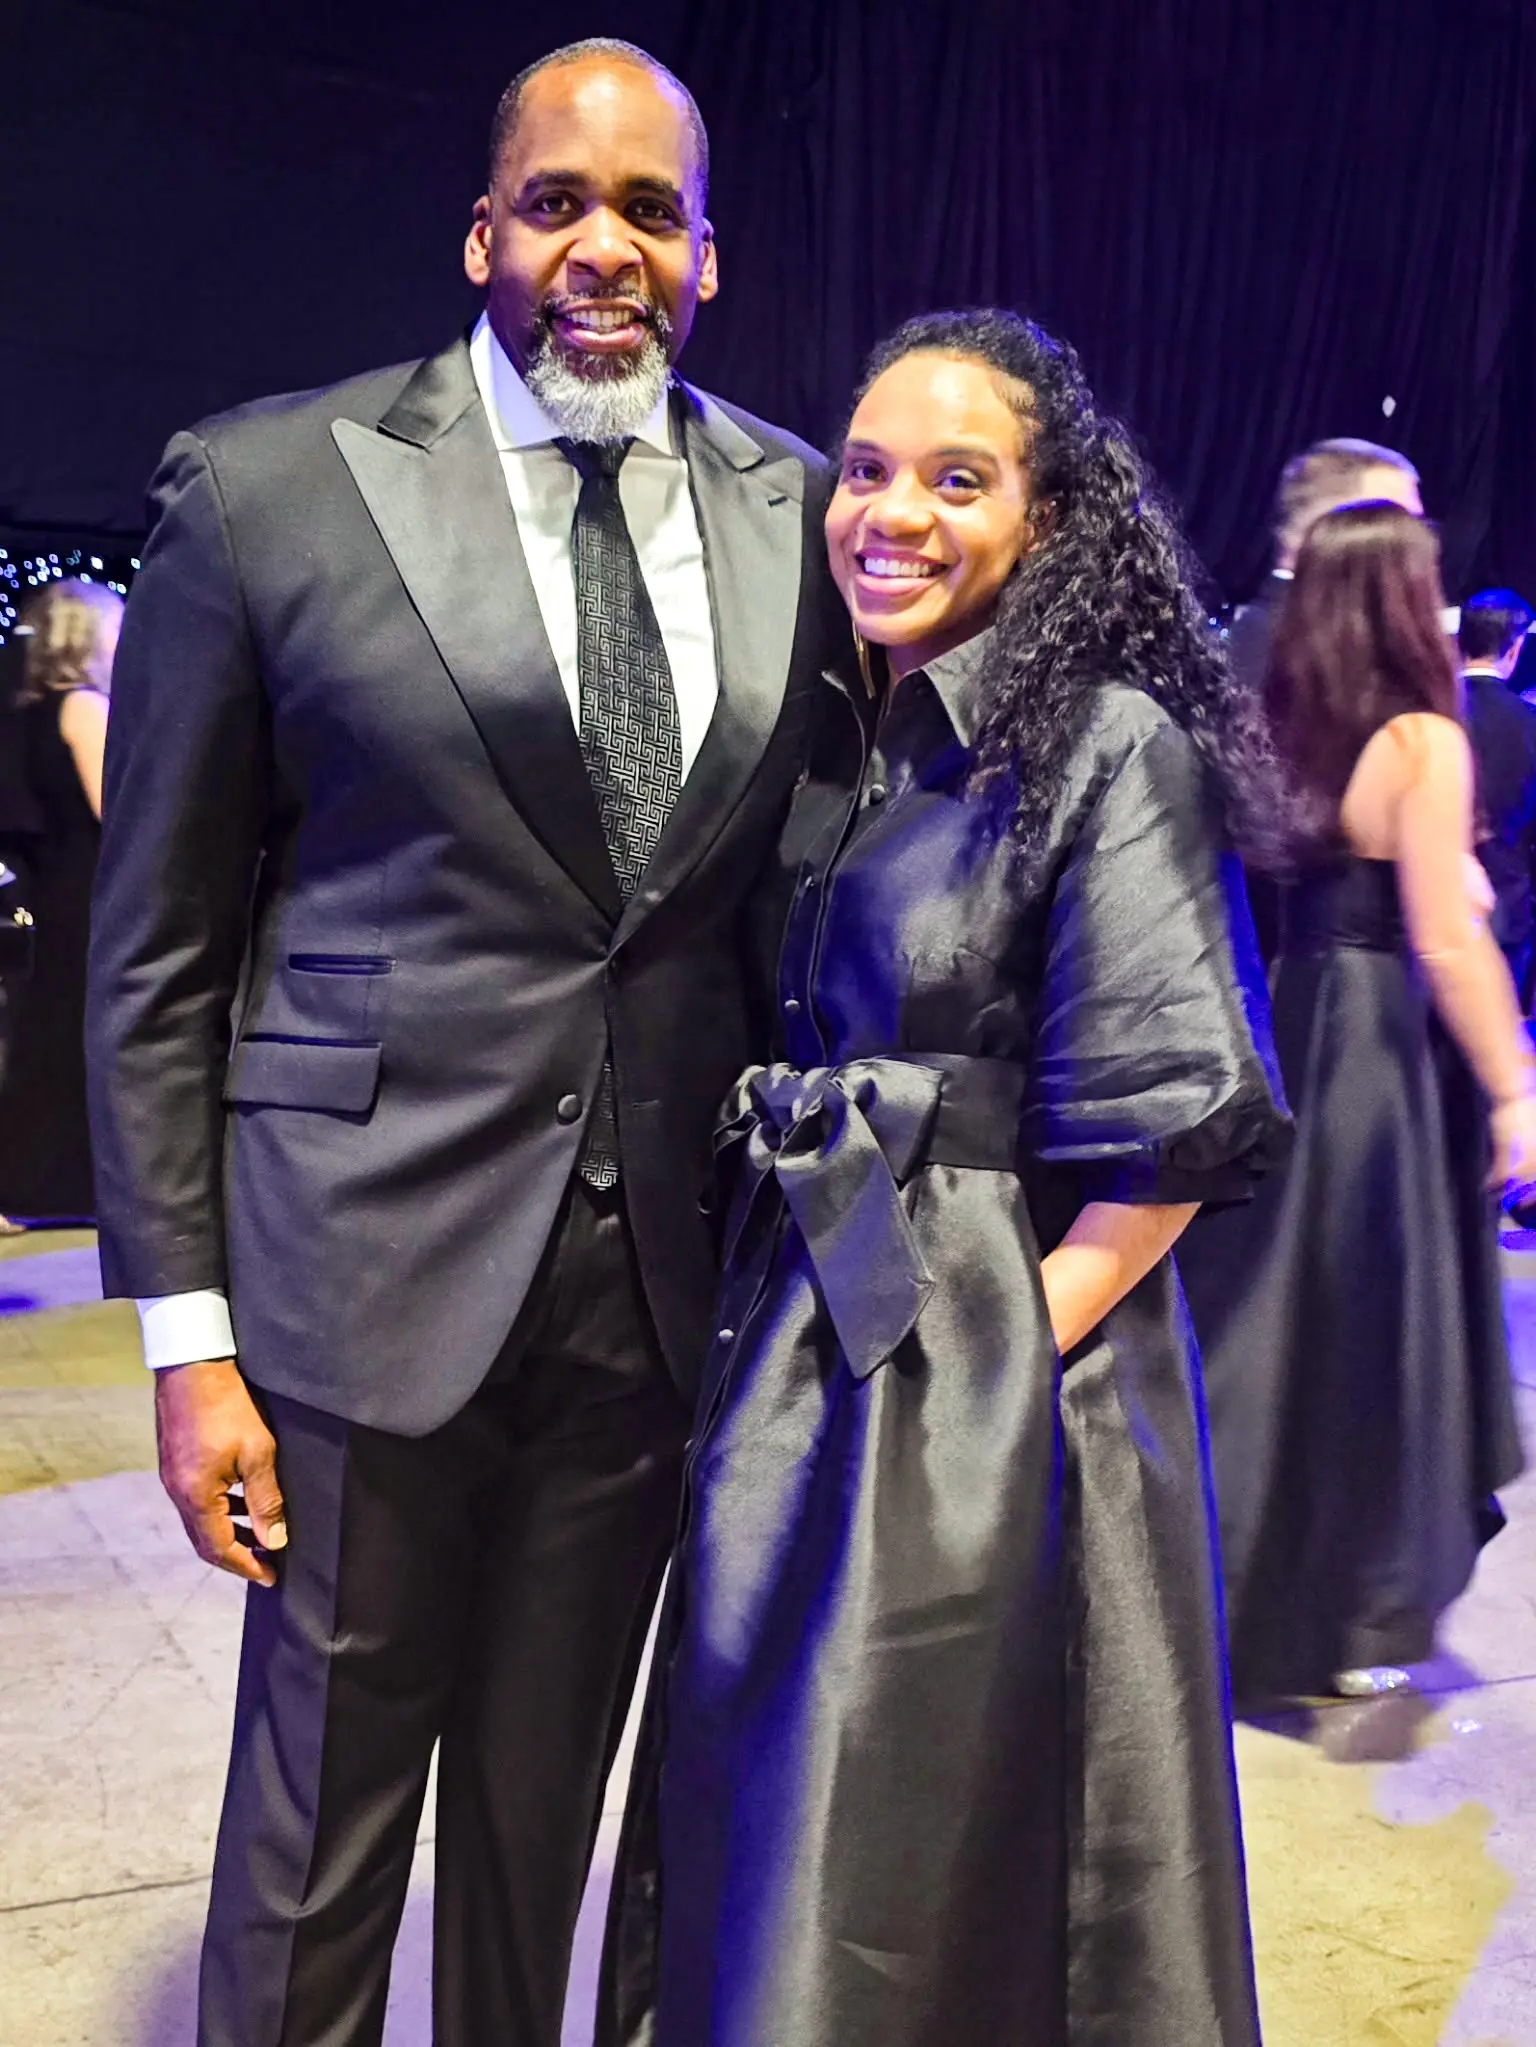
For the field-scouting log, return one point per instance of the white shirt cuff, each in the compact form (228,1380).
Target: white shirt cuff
(185,1329)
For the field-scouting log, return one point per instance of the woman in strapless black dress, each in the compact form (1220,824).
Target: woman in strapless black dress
(1350,1317)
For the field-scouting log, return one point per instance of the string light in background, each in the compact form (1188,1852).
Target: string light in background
(23,572)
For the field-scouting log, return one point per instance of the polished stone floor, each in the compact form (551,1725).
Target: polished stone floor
(1394,1904)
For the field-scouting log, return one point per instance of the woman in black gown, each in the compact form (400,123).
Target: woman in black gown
(60,726)
(939,1751)
(1350,1317)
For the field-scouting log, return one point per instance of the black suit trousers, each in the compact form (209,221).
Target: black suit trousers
(487,1585)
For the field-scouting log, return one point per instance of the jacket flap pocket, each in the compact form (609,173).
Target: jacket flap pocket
(303,1073)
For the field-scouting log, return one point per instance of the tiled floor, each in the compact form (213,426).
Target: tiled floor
(1395,1905)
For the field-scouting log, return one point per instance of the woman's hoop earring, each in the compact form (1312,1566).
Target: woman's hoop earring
(866,664)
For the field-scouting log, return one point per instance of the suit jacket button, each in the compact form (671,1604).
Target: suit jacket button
(568,1109)
(792,1007)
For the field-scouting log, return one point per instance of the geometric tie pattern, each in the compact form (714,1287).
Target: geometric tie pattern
(628,727)
(630,736)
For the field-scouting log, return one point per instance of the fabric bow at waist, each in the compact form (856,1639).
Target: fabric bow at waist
(841,1141)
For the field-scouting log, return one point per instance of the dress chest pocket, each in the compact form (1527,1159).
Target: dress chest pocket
(960,999)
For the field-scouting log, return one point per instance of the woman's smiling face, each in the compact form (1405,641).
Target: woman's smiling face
(932,507)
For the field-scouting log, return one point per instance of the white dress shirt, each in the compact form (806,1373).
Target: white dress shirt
(184,1328)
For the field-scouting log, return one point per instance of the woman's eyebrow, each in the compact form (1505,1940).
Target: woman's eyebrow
(957,451)
(966,451)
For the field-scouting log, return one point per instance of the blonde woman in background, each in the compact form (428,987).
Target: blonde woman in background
(70,632)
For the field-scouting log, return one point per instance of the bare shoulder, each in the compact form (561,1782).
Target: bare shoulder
(1417,745)
(1417,758)
(82,714)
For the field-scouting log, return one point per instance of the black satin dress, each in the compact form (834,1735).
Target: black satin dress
(939,1752)
(1351,1318)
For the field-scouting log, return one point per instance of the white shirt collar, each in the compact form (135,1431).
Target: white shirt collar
(516,416)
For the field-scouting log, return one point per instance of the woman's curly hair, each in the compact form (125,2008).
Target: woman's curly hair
(1107,594)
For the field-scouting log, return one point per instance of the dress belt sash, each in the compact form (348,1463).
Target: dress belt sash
(841,1141)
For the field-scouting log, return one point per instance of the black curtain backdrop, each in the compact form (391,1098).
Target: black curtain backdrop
(1261,221)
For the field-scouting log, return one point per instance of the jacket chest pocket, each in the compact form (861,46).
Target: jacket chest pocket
(329,994)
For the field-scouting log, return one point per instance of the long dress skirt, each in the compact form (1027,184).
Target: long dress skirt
(1351,1319)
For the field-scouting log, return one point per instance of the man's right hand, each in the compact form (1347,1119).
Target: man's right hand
(212,1438)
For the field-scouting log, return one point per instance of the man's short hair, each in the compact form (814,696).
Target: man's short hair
(613,47)
(1323,476)
(1491,623)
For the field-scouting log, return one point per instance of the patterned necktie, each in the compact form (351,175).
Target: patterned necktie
(629,731)
(630,738)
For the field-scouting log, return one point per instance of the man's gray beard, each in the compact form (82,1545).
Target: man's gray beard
(609,407)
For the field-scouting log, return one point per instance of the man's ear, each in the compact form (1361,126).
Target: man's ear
(477,244)
(709,266)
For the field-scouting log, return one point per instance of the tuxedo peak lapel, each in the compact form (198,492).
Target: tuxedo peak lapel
(704,419)
(436,397)
(749,506)
(431,479)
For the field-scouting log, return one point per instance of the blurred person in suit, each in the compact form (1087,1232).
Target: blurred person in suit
(60,730)
(1502,729)
(1318,480)
(457,712)
(1491,636)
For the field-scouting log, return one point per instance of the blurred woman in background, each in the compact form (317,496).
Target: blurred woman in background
(45,1160)
(1350,1316)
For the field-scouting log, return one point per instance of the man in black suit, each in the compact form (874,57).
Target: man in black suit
(1502,730)
(455,714)
(1317,481)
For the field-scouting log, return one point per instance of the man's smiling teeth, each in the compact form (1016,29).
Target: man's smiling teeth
(899,567)
(602,319)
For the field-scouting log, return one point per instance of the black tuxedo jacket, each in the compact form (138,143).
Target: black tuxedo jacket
(1502,732)
(1253,634)
(357,946)
(1248,648)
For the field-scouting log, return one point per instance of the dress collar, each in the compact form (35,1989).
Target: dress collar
(516,416)
(955,679)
